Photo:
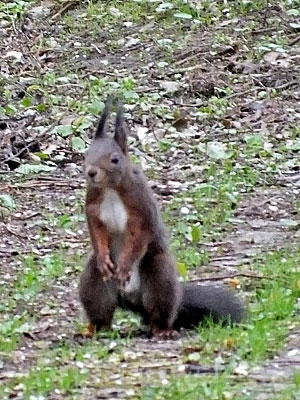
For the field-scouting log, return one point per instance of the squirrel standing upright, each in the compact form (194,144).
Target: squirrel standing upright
(130,265)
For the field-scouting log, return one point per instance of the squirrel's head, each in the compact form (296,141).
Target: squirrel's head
(106,159)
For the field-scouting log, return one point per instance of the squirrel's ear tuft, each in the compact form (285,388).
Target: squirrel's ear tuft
(121,129)
(100,132)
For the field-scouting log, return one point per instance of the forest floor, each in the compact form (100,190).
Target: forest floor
(212,93)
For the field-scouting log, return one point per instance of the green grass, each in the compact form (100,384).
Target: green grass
(217,387)
(45,379)
(271,312)
(20,297)
(271,316)
(209,209)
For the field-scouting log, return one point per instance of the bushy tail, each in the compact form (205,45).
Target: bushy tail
(200,301)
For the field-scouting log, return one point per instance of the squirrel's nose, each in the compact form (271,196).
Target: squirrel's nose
(92,173)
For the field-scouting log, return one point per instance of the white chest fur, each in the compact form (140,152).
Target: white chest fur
(113,212)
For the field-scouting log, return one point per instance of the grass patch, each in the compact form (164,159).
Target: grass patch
(61,371)
(206,209)
(272,314)
(195,388)
(217,387)
(45,379)
(21,297)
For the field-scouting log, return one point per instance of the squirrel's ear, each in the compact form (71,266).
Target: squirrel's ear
(100,132)
(121,129)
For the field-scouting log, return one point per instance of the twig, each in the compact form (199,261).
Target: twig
(23,150)
(96,48)
(20,235)
(63,10)
(286,85)
(231,96)
(185,69)
(9,252)
(266,30)
(24,217)
(261,203)
(147,89)
(280,87)
(178,103)
(214,244)
(64,242)
(230,276)
(191,57)
(200,369)
(294,41)
(50,182)
(103,72)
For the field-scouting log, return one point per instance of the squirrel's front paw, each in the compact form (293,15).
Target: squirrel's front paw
(123,277)
(106,267)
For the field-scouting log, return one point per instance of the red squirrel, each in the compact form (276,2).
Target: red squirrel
(131,265)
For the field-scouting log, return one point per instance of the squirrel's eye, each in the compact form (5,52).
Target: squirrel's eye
(115,159)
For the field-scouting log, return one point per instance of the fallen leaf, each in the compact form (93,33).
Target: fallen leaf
(170,86)
(218,151)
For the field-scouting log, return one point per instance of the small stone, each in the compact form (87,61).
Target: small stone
(184,210)
(273,208)
(132,42)
(293,353)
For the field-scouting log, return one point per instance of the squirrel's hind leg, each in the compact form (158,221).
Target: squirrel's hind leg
(99,298)
(161,293)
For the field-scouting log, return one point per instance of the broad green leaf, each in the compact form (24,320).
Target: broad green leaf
(26,102)
(41,107)
(195,357)
(64,130)
(293,12)
(77,143)
(130,95)
(82,123)
(196,234)
(231,197)
(164,6)
(289,222)
(218,151)
(96,107)
(10,109)
(26,169)
(7,201)
(41,155)
(64,221)
(181,268)
(293,145)
(23,328)
(183,15)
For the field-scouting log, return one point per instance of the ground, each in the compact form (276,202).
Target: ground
(212,92)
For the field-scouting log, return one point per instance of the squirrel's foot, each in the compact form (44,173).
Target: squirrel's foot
(87,333)
(106,267)
(89,330)
(166,334)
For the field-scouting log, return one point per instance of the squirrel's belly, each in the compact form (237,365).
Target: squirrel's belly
(113,212)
